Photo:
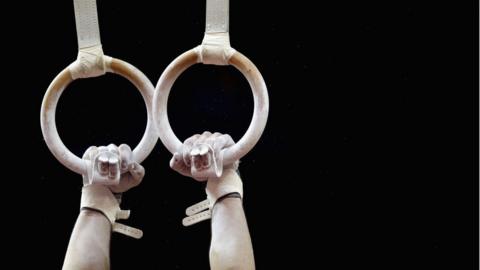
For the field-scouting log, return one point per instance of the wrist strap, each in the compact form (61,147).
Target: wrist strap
(196,213)
(99,198)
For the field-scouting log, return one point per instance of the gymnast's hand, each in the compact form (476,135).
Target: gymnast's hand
(114,167)
(201,156)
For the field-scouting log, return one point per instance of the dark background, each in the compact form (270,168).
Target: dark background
(369,158)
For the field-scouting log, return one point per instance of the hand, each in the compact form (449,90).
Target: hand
(201,156)
(114,167)
(111,171)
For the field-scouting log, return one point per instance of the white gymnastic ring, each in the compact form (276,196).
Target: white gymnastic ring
(49,105)
(260,97)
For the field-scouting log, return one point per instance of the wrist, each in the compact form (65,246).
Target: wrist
(230,195)
(229,204)
(100,199)
(93,214)
(224,192)
(229,182)
(85,211)
(231,198)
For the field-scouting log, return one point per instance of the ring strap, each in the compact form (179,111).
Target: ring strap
(215,48)
(86,20)
(90,60)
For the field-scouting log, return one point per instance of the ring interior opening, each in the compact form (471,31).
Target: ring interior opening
(210,98)
(99,111)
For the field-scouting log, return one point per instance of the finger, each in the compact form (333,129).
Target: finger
(202,138)
(191,140)
(212,138)
(227,140)
(202,169)
(195,151)
(205,156)
(113,149)
(186,150)
(137,173)
(200,150)
(126,157)
(207,133)
(219,145)
(201,157)
(187,147)
(194,156)
(130,179)
(113,166)
(206,160)
(203,149)
(176,160)
(177,164)
(90,153)
(222,142)
(102,164)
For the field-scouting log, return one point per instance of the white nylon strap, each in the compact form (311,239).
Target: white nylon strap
(195,214)
(217,16)
(86,19)
(198,207)
(90,61)
(215,48)
(216,189)
(100,198)
(205,215)
(127,230)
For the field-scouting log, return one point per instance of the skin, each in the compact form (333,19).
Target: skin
(89,246)
(231,246)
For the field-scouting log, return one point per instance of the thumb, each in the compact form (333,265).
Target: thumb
(176,161)
(178,165)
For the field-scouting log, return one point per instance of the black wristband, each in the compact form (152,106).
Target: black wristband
(228,195)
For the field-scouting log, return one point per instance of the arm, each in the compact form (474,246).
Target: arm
(89,245)
(231,246)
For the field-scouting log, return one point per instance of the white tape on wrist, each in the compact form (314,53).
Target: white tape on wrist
(100,198)
(229,183)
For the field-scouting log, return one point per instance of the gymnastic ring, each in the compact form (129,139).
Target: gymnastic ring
(49,105)
(260,98)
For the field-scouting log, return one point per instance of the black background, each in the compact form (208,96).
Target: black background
(369,158)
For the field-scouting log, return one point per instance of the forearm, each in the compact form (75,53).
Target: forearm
(231,246)
(89,245)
